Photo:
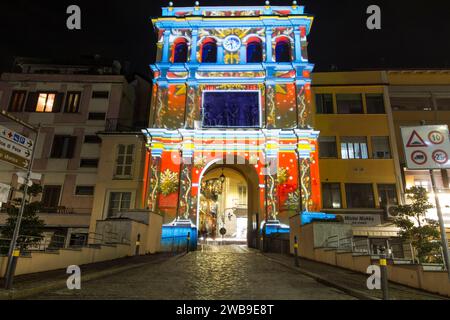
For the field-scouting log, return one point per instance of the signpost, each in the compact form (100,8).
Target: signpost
(428,148)
(17,150)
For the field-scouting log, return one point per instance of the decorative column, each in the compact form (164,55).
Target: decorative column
(194,41)
(270,171)
(186,208)
(269,44)
(303,103)
(161,104)
(297,45)
(166,46)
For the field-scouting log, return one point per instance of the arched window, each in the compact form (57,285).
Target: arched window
(180,51)
(254,50)
(283,50)
(209,51)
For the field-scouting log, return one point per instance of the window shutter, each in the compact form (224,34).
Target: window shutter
(58,102)
(71,147)
(31,102)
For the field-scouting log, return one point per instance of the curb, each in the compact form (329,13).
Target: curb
(24,293)
(352,292)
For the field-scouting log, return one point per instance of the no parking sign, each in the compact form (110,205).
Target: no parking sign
(426,147)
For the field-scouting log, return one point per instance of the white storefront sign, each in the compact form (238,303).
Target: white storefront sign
(361,219)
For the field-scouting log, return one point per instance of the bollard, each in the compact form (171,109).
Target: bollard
(187,241)
(384,274)
(296,251)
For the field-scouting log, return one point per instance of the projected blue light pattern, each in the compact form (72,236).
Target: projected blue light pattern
(174,236)
(308,217)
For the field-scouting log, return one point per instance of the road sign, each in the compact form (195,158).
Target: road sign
(15,148)
(16,137)
(426,147)
(13,159)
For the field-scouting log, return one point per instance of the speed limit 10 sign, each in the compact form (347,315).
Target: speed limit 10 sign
(426,147)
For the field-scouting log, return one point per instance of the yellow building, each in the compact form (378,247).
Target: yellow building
(359,114)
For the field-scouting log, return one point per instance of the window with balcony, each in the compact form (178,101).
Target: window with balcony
(381,148)
(331,195)
(118,201)
(17,101)
(324,103)
(359,195)
(84,190)
(349,103)
(327,147)
(63,147)
(124,161)
(50,197)
(354,148)
(100,94)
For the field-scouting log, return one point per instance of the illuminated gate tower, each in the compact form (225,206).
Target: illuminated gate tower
(232,85)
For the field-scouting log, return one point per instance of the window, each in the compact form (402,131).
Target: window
(381,148)
(324,103)
(423,183)
(50,197)
(209,51)
(327,147)
(124,160)
(72,102)
(231,109)
(283,50)
(387,195)
(254,51)
(100,94)
(180,51)
(354,148)
(242,192)
(17,101)
(92,139)
(88,163)
(44,102)
(359,195)
(331,195)
(118,201)
(96,116)
(411,104)
(63,147)
(84,190)
(375,103)
(349,103)
(443,104)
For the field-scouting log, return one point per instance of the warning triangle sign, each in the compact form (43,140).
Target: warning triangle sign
(415,140)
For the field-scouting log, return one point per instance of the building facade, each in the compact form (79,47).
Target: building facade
(71,102)
(232,88)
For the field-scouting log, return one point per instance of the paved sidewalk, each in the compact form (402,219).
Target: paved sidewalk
(350,279)
(32,284)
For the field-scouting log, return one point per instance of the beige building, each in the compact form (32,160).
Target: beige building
(71,102)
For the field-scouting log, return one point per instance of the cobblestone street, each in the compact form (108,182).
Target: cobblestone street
(216,272)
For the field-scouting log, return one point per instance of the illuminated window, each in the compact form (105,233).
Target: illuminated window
(283,50)
(331,194)
(254,51)
(72,102)
(180,51)
(124,161)
(242,192)
(45,102)
(17,101)
(423,183)
(209,51)
(354,148)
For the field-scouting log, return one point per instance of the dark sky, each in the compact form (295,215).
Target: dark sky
(415,34)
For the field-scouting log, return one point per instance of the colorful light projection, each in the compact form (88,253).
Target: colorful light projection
(241,97)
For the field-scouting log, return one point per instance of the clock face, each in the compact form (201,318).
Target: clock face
(232,43)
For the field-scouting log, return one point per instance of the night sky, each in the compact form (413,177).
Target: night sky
(415,34)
